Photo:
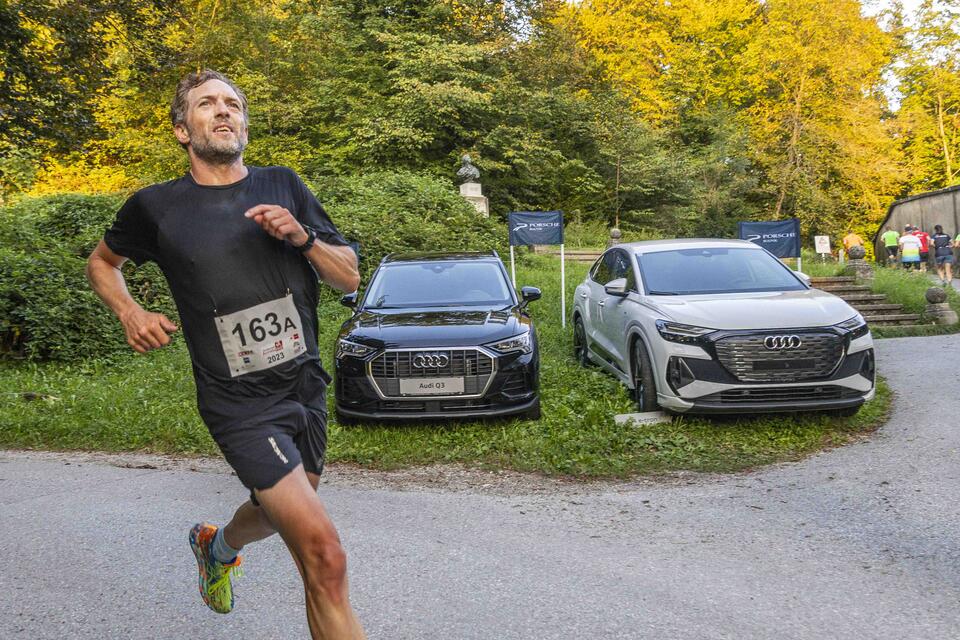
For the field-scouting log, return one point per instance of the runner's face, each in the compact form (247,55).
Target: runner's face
(215,126)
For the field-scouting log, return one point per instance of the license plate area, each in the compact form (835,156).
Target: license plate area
(431,386)
(784,365)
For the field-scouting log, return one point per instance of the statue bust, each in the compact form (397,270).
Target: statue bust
(467,172)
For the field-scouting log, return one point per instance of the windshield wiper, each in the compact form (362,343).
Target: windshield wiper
(663,293)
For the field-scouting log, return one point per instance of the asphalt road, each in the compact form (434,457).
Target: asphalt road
(858,542)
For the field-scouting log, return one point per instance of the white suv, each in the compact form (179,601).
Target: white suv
(720,326)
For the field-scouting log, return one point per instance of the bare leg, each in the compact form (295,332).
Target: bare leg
(295,510)
(251,524)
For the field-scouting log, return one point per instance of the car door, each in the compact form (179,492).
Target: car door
(596,297)
(617,309)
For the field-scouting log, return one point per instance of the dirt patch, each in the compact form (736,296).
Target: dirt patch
(440,478)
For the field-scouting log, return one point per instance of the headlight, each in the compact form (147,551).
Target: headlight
(683,333)
(353,349)
(856,325)
(522,343)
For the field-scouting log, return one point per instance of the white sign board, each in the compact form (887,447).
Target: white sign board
(822,243)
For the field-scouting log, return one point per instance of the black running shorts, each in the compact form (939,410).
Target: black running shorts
(265,447)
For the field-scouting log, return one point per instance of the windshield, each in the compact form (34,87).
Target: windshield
(714,270)
(438,284)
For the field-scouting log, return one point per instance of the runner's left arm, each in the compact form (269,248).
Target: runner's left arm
(335,264)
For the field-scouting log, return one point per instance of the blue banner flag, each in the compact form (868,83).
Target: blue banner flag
(779,237)
(540,227)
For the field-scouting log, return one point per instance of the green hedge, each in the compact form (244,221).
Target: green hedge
(398,211)
(47,310)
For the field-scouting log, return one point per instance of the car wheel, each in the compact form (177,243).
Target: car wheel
(644,385)
(580,343)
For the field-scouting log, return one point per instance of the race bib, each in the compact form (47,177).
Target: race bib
(261,337)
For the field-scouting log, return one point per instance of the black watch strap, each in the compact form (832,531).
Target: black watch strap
(311,238)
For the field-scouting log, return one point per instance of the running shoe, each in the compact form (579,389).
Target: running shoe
(215,587)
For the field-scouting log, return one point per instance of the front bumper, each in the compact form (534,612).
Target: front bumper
(714,390)
(513,389)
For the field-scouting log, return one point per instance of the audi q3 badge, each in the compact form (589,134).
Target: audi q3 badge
(782,343)
(430,360)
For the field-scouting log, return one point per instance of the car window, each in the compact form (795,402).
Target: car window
(621,269)
(601,273)
(438,283)
(714,270)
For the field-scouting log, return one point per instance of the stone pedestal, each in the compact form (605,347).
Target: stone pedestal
(473,193)
(938,309)
(859,268)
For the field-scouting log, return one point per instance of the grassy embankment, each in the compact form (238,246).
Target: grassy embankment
(146,403)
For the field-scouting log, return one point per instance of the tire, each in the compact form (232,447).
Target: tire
(580,343)
(644,384)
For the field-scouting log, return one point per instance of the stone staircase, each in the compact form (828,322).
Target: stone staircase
(874,306)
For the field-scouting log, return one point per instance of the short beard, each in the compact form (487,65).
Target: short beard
(216,153)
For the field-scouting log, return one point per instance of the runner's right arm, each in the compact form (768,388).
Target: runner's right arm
(145,330)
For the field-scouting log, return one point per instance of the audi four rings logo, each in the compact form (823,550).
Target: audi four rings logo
(782,342)
(430,360)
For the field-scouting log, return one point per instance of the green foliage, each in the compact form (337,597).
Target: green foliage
(147,403)
(47,309)
(399,211)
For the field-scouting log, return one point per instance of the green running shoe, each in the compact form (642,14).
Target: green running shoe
(215,588)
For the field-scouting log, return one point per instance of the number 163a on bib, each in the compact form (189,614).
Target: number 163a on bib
(262,336)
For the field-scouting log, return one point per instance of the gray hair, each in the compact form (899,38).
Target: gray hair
(178,109)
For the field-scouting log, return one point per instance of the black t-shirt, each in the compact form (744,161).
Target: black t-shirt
(216,262)
(941,244)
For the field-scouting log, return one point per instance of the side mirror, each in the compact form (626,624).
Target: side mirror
(529,294)
(617,288)
(349,300)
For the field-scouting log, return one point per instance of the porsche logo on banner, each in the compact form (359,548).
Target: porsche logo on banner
(542,227)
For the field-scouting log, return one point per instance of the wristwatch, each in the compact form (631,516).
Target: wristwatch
(311,238)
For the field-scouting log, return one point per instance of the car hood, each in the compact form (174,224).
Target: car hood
(769,310)
(447,326)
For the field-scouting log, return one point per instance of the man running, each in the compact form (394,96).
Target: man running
(924,238)
(943,254)
(909,249)
(890,238)
(242,249)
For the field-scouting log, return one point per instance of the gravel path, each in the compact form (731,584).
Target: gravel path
(858,542)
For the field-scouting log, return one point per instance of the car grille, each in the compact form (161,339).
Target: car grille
(473,365)
(749,360)
(780,394)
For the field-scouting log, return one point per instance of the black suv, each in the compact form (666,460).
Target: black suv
(438,335)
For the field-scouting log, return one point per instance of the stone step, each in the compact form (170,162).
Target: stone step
(892,319)
(878,309)
(817,281)
(845,288)
(857,299)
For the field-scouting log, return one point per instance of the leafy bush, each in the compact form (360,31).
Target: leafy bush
(47,310)
(399,211)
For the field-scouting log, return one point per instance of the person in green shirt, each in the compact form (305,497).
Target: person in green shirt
(891,242)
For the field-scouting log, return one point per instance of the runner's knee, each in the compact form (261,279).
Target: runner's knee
(325,566)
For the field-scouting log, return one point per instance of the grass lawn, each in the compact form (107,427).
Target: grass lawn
(146,403)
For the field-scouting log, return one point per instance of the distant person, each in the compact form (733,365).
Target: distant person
(890,238)
(909,249)
(943,254)
(244,250)
(924,247)
(851,240)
